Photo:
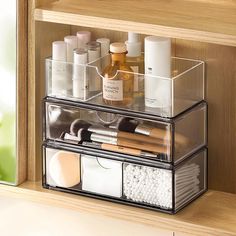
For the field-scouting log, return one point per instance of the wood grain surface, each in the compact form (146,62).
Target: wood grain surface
(21,122)
(212,214)
(206,21)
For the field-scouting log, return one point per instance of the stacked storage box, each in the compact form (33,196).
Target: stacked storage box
(149,157)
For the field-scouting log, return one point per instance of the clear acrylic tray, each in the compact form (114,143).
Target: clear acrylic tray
(174,95)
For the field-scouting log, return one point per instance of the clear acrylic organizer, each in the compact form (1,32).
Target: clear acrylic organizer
(112,177)
(75,82)
(139,135)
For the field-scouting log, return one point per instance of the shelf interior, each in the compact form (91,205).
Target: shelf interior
(207,21)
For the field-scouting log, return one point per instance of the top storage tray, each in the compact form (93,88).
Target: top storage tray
(79,82)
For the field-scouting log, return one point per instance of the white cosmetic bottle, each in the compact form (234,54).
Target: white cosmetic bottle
(84,37)
(105,46)
(158,63)
(80,82)
(135,60)
(94,53)
(59,85)
(72,43)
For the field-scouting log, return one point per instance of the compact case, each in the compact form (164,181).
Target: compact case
(116,177)
(159,139)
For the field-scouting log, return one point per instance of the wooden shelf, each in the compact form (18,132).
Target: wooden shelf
(201,20)
(212,214)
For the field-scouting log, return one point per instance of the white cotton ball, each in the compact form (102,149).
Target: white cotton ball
(64,169)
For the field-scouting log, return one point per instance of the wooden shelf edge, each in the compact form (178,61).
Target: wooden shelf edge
(142,28)
(187,221)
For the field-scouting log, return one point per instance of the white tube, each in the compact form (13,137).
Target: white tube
(59,69)
(157,63)
(80,82)
(94,53)
(105,46)
(72,43)
(83,38)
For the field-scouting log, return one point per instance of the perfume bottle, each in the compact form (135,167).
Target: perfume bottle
(135,60)
(118,79)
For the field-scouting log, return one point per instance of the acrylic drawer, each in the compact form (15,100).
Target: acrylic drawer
(136,134)
(174,95)
(146,184)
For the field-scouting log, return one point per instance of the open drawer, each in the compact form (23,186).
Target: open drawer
(116,178)
(136,134)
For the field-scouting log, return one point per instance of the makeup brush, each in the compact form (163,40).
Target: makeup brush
(127,135)
(78,124)
(85,135)
(109,147)
(129,125)
(115,148)
(81,124)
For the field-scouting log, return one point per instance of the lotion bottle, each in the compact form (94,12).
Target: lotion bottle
(60,84)
(158,72)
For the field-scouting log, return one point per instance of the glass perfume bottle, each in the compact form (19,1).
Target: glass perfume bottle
(135,60)
(118,79)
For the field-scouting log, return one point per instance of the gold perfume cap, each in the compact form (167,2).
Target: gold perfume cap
(118,48)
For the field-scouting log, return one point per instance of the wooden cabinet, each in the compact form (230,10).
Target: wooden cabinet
(201,29)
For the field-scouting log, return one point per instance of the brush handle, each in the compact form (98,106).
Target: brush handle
(141,145)
(166,135)
(115,148)
(159,133)
(141,138)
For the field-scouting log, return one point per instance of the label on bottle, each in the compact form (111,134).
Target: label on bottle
(113,89)
(136,79)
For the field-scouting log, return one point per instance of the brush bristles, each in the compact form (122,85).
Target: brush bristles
(127,124)
(77,125)
(84,135)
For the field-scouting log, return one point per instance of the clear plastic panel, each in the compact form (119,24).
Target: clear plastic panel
(72,81)
(166,97)
(188,85)
(190,179)
(108,131)
(169,141)
(190,132)
(142,185)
